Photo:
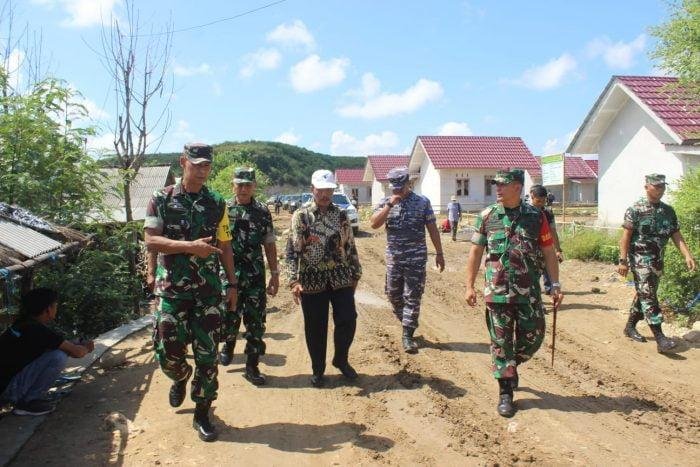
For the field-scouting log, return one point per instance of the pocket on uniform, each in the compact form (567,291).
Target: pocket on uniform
(497,243)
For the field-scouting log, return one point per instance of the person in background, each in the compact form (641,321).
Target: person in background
(538,198)
(454,215)
(34,355)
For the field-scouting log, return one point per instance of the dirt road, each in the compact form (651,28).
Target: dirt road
(606,400)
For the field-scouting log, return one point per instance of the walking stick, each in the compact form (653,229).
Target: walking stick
(554,330)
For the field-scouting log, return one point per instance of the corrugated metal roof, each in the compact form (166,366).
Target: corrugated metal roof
(25,241)
(148,180)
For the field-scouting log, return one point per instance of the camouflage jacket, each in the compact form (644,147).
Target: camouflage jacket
(321,250)
(251,228)
(178,215)
(513,239)
(405,228)
(651,226)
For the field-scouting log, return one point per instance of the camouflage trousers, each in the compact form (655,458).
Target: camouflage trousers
(179,322)
(404,288)
(250,307)
(517,331)
(646,302)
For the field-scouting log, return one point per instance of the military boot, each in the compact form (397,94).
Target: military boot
(505,407)
(409,345)
(178,390)
(201,422)
(630,328)
(663,343)
(226,354)
(252,373)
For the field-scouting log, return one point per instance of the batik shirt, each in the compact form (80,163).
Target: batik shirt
(321,252)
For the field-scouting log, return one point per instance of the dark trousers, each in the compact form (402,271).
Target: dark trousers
(315,308)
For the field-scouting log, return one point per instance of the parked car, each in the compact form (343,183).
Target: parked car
(343,202)
(294,202)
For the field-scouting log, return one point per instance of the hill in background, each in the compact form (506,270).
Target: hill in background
(284,164)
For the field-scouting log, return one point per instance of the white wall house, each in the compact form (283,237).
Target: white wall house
(463,166)
(639,125)
(581,182)
(375,173)
(351,182)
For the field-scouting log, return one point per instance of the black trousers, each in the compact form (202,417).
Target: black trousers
(315,308)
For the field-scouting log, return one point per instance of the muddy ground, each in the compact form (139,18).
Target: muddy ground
(606,400)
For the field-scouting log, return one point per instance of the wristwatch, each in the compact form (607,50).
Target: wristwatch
(622,261)
(556,285)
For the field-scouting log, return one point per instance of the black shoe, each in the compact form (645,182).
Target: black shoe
(252,373)
(226,354)
(505,406)
(178,391)
(318,380)
(33,408)
(514,382)
(663,343)
(409,344)
(347,371)
(630,328)
(202,424)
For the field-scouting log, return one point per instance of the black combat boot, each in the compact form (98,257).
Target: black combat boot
(178,390)
(409,345)
(201,422)
(630,328)
(505,407)
(226,354)
(663,343)
(252,373)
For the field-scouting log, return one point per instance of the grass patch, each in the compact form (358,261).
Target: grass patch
(590,245)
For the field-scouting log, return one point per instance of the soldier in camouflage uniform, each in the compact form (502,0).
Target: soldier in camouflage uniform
(538,198)
(406,215)
(187,224)
(648,225)
(513,234)
(251,229)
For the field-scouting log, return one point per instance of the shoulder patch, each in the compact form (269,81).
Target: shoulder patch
(488,210)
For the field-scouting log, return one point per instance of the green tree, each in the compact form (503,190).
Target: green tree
(678,47)
(43,163)
(222,174)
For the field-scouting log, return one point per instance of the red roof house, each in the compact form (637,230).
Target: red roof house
(637,126)
(463,166)
(352,183)
(376,169)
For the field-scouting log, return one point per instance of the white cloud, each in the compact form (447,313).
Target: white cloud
(559,144)
(182,70)
(547,76)
(83,13)
(455,129)
(375,105)
(13,65)
(103,144)
(312,74)
(291,35)
(618,55)
(94,111)
(380,143)
(288,137)
(261,59)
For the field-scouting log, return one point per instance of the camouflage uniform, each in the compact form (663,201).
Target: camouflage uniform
(251,227)
(513,239)
(406,255)
(651,226)
(188,286)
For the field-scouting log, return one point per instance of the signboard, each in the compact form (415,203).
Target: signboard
(552,169)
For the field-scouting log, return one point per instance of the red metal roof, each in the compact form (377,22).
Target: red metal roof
(670,102)
(381,165)
(480,152)
(577,168)
(349,175)
(593,164)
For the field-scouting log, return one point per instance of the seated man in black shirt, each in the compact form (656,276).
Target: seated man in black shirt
(32,356)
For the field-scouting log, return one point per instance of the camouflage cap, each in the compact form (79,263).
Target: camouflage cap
(244,175)
(508,176)
(198,152)
(398,177)
(656,179)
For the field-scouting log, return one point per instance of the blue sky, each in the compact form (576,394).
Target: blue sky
(366,77)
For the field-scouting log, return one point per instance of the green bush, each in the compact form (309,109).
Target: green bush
(678,285)
(590,245)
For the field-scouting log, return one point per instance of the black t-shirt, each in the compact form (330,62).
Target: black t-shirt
(22,343)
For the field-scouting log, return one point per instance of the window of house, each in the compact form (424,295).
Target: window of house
(462,188)
(488,188)
(355,193)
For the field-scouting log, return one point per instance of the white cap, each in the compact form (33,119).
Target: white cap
(322,179)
